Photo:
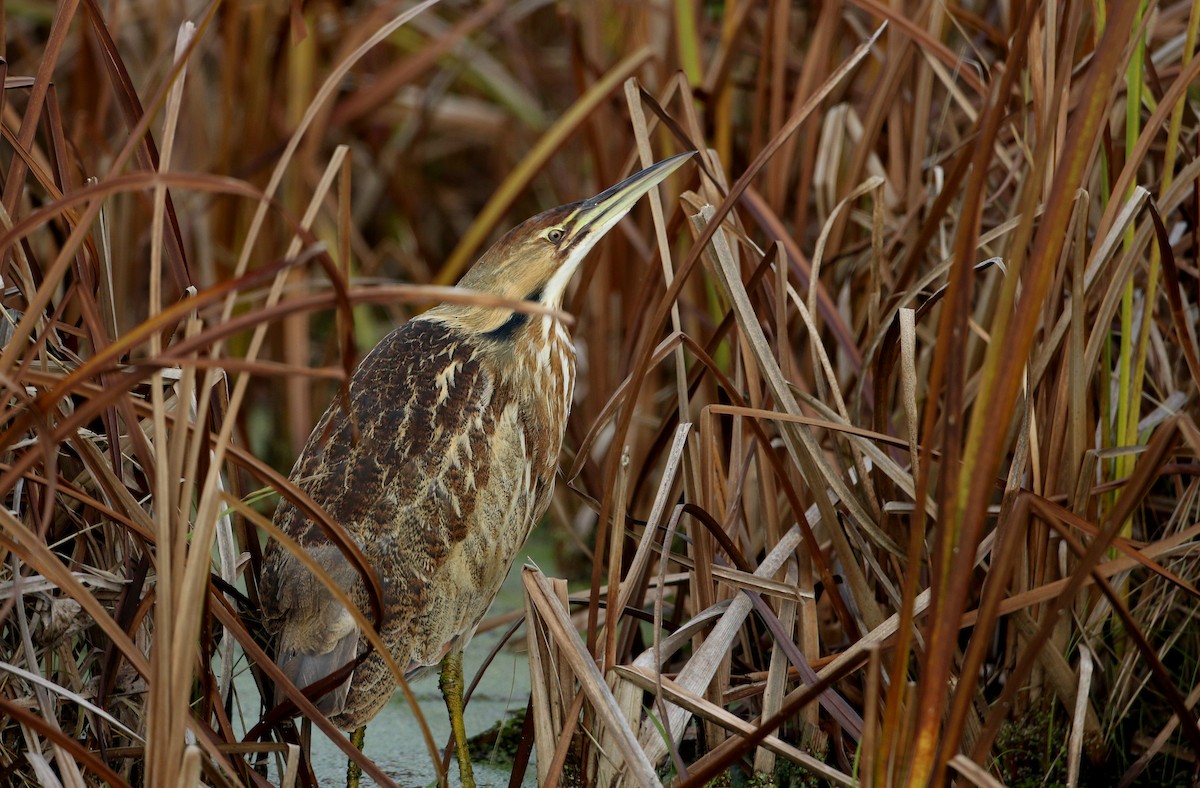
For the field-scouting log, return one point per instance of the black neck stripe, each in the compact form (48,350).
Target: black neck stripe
(508,328)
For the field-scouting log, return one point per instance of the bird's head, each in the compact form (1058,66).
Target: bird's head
(537,259)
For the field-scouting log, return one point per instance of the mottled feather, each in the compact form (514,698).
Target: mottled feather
(447,436)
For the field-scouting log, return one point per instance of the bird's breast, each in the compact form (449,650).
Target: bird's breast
(535,385)
(543,383)
(555,366)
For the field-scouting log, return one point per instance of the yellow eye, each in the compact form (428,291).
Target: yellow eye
(555,235)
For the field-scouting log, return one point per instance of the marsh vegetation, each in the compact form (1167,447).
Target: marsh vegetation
(883,463)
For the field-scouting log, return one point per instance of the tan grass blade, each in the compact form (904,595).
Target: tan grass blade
(542,678)
(973,772)
(646,158)
(764,758)
(541,596)
(168,698)
(641,557)
(292,768)
(802,446)
(67,767)
(700,669)
(628,697)
(1079,718)
(908,381)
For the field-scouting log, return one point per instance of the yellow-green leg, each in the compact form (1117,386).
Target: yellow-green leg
(451,684)
(353,770)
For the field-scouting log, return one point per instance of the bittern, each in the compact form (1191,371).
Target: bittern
(438,464)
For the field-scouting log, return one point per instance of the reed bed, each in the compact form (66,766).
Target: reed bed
(883,465)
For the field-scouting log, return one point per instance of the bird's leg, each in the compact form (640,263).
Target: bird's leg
(451,683)
(353,770)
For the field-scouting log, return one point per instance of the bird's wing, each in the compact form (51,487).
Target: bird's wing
(400,471)
(317,636)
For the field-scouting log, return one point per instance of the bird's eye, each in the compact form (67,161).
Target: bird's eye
(555,235)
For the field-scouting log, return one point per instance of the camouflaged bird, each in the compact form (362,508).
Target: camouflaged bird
(437,464)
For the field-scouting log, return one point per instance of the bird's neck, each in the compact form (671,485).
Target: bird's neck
(534,362)
(546,357)
(509,334)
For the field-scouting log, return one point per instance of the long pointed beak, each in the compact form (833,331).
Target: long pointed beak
(597,215)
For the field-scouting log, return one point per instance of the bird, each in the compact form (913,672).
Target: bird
(438,462)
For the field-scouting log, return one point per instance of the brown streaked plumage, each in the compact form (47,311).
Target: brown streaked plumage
(460,416)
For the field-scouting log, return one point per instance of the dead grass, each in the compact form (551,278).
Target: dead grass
(884,454)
